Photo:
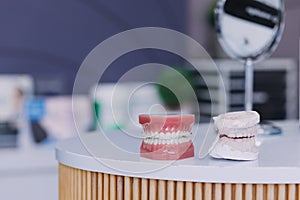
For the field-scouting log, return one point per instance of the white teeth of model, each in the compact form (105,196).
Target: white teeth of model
(168,135)
(181,134)
(161,136)
(150,134)
(172,135)
(168,138)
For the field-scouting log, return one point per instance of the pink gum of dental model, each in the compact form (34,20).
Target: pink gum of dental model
(167,124)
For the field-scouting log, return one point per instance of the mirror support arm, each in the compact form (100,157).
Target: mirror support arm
(249,73)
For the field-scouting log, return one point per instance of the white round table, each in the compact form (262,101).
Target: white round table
(89,168)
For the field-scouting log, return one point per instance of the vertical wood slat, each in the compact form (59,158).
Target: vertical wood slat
(188,191)
(80,184)
(291,192)
(105,187)
(61,185)
(218,191)
(83,185)
(162,190)
(144,189)
(127,188)
(270,191)
(208,191)
(259,192)
(88,185)
(75,184)
(65,182)
(281,192)
(94,186)
(136,189)
(100,186)
(227,191)
(198,193)
(69,180)
(152,189)
(170,190)
(112,187)
(298,192)
(120,188)
(238,191)
(248,192)
(179,190)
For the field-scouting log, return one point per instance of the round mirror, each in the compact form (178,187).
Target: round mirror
(249,31)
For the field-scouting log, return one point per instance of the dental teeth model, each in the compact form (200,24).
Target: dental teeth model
(167,137)
(236,132)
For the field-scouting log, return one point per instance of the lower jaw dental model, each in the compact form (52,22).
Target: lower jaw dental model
(236,139)
(167,137)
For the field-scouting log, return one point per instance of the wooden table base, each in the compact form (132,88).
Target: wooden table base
(85,185)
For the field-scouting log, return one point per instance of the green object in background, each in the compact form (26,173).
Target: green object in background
(168,97)
(96,115)
(175,83)
(211,13)
(97,108)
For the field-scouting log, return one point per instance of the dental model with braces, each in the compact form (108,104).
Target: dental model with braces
(167,137)
(236,136)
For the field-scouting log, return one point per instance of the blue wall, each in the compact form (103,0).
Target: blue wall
(50,38)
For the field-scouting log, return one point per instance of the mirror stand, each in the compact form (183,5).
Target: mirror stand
(249,73)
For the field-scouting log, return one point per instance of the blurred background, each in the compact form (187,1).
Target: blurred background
(43,44)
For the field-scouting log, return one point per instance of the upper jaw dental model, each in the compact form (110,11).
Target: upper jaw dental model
(167,137)
(236,135)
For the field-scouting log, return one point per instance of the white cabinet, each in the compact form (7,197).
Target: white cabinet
(28,174)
